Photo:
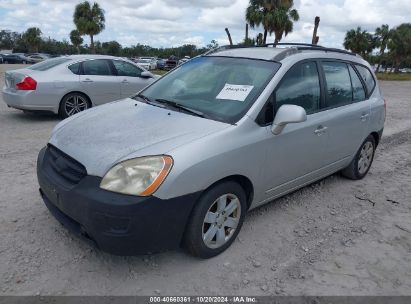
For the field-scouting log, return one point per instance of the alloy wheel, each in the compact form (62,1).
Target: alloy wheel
(75,104)
(365,159)
(221,221)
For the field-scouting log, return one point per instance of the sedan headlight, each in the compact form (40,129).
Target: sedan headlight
(139,176)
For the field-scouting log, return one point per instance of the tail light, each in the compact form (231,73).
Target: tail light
(27,84)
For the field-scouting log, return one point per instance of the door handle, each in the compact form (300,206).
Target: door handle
(87,80)
(320,130)
(125,81)
(364,116)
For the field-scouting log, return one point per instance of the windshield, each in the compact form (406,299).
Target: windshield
(223,88)
(48,64)
(145,60)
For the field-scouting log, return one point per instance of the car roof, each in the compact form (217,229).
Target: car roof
(80,57)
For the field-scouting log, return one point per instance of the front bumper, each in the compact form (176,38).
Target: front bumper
(117,223)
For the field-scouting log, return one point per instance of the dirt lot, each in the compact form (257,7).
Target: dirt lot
(336,237)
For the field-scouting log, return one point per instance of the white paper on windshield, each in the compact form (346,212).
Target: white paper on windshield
(235,92)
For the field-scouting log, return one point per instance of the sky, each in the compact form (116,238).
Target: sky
(164,23)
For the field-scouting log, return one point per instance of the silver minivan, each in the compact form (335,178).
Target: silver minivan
(181,162)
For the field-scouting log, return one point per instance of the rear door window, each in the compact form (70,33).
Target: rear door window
(338,83)
(301,87)
(126,69)
(367,77)
(99,67)
(358,89)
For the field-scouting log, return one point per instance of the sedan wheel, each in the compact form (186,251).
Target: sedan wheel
(73,103)
(216,220)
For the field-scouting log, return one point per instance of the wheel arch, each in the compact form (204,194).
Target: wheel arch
(243,181)
(376,136)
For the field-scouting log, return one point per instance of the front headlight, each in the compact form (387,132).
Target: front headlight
(139,176)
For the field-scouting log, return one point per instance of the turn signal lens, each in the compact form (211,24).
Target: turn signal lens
(28,84)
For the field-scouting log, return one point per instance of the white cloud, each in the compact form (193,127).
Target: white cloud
(172,22)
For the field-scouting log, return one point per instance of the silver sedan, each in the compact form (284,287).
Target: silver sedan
(71,84)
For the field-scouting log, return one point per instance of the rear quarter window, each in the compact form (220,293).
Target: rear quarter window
(75,68)
(366,75)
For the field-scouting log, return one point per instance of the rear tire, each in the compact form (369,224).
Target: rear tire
(361,164)
(216,220)
(73,103)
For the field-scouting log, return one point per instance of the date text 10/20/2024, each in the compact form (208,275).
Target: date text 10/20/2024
(205,299)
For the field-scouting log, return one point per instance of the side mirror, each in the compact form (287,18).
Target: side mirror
(146,74)
(287,114)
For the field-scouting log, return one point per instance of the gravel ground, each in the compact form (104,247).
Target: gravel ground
(335,237)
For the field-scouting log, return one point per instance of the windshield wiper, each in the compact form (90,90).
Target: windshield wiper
(149,101)
(181,107)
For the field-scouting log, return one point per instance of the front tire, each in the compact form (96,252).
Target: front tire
(216,220)
(73,103)
(361,164)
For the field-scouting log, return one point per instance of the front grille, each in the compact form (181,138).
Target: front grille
(59,164)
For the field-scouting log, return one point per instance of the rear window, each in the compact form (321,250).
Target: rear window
(48,64)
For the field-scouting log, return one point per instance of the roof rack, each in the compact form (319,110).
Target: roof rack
(307,46)
(295,46)
(291,44)
(226,47)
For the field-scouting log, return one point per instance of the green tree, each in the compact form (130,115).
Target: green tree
(400,44)
(89,20)
(283,21)
(33,38)
(382,36)
(111,48)
(9,40)
(212,45)
(76,39)
(359,41)
(276,16)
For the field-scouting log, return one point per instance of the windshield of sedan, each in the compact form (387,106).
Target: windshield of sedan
(223,88)
(48,64)
(145,60)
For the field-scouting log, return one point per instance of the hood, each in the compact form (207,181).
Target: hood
(103,136)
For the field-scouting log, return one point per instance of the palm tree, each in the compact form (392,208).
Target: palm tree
(283,21)
(359,41)
(33,38)
(400,44)
(276,16)
(255,14)
(382,36)
(76,39)
(89,20)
